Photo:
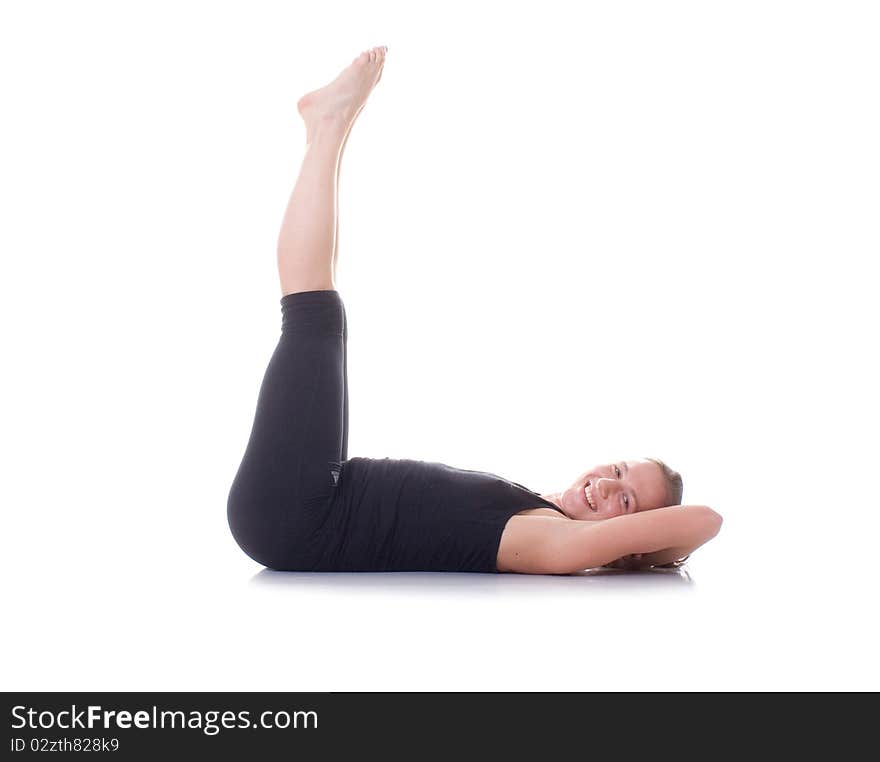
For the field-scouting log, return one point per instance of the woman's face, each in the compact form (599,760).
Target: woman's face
(614,489)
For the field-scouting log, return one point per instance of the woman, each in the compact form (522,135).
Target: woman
(299,503)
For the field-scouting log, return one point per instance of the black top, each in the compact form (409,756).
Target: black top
(413,515)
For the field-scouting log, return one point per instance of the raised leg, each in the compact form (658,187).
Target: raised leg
(307,242)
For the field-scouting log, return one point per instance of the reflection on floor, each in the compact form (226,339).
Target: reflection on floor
(592,580)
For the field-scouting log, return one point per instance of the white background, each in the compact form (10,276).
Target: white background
(570,232)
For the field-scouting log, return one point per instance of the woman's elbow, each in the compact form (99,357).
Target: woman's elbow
(709,519)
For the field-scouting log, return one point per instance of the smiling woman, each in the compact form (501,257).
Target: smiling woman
(299,503)
(615,489)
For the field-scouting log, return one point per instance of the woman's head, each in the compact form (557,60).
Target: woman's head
(625,486)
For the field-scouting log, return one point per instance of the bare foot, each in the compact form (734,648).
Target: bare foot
(342,100)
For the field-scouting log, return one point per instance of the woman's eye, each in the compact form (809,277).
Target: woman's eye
(626,501)
(617,471)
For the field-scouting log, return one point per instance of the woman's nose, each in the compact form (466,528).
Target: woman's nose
(605,486)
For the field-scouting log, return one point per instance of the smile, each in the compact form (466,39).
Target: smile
(589,495)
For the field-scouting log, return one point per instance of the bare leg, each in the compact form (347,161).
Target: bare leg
(382,52)
(307,240)
(336,232)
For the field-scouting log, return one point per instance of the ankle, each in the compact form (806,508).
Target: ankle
(327,127)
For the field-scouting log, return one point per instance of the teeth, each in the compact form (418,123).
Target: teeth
(589,496)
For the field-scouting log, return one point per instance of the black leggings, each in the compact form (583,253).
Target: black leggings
(299,438)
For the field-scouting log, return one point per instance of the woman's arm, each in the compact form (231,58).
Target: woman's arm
(662,558)
(540,545)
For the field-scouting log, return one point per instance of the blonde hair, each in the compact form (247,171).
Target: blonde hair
(674,484)
(674,491)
